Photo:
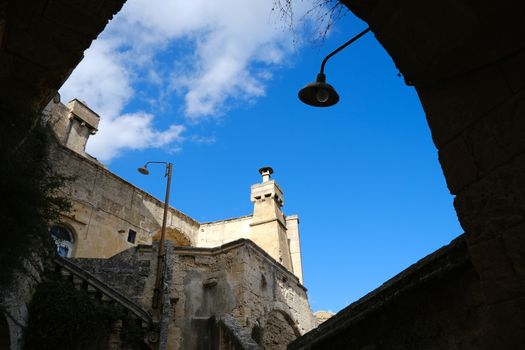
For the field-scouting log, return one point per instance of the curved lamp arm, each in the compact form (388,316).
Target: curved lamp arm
(342,47)
(319,93)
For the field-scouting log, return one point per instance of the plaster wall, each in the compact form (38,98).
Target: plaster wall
(213,234)
(294,242)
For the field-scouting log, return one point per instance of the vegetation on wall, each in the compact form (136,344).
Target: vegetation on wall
(61,317)
(28,187)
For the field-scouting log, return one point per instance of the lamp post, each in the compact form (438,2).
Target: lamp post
(319,93)
(161,257)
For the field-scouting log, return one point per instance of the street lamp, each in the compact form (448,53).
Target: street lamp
(161,257)
(319,93)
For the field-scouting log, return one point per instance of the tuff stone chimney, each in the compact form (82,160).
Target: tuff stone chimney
(72,123)
(83,122)
(268,226)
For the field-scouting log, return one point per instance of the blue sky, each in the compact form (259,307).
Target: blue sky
(213,87)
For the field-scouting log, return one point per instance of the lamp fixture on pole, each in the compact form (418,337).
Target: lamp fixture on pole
(161,256)
(319,93)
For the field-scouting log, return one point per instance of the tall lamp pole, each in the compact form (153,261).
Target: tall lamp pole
(161,257)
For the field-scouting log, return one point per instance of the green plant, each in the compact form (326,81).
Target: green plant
(28,187)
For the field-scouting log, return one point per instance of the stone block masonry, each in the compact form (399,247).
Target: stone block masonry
(434,304)
(241,280)
(237,281)
(110,215)
(466,61)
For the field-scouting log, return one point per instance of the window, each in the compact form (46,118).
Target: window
(63,238)
(131,236)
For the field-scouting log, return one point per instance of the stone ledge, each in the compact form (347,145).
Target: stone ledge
(435,265)
(194,251)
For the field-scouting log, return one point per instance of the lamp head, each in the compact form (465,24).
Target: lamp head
(319,93)
(143,170)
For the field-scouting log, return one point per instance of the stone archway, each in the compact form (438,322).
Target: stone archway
(5,338)
(278,331)
(465,60)
(174,235)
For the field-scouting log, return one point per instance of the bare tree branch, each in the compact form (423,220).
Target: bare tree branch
(324,13)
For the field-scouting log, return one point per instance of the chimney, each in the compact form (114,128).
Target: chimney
(266,173)
(83,123)
(268,225)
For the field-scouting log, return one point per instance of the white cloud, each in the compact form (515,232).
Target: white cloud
(105,83)
(229,37)
(101,80)
(131,131)
(234,44)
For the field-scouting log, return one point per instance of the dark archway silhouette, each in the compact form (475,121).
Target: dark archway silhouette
(5,337)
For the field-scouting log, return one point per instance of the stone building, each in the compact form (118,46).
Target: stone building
(243,272)
(110,215)
(465,59)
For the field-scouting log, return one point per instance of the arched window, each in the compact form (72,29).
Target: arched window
(64,240)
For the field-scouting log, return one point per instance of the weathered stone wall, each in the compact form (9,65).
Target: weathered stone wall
(238,279)
(434,304)
(277,332)
(323,316)
(106,207)
(15,298)
(270,287)
(228,335)
(57,116)
(128,272)
(466,60)
(268,226)
(40,44)
(72,124)
(214,234)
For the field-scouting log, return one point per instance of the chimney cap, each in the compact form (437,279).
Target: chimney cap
(266,170)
